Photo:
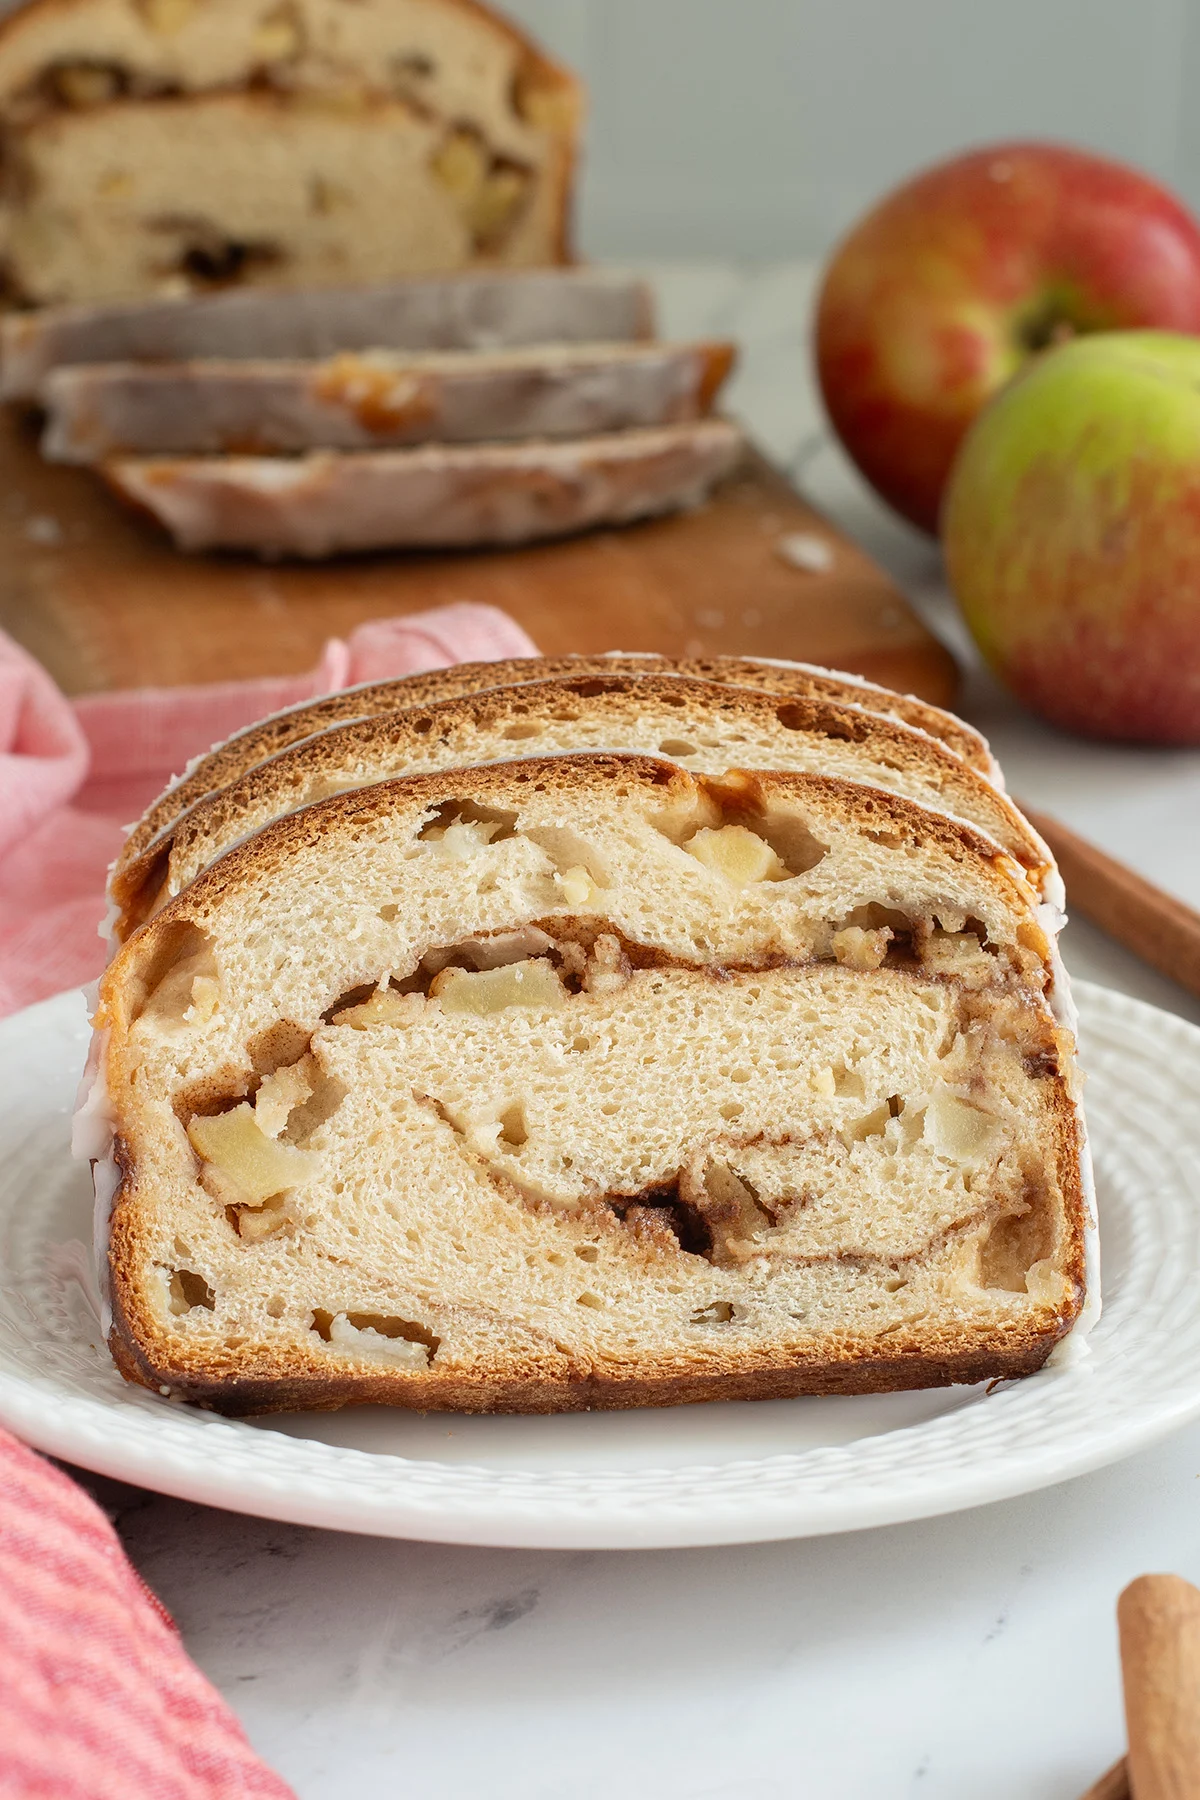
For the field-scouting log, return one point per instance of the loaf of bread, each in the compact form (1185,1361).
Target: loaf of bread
(704,726)
(363,400)
(589,1081)
(329,502)
(159,146)
(464,312)
(801,681)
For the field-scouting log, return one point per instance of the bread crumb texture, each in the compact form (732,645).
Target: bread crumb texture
(575,1082)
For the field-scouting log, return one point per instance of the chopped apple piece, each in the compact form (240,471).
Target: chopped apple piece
(464,838)
(738,854)
(859,949)
(281,1093)
(245,1158)
(385,1007)
(960,954)
(533,984)
(206,997)
(1046,1284)
(364,1340)
(958,1130)
(577,886)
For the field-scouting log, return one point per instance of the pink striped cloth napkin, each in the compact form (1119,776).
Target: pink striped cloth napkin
(74,773)
(98,1699)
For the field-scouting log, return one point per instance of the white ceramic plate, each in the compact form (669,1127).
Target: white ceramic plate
(688,1475)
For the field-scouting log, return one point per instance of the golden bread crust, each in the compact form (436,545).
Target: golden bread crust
(238,754)
(380,744)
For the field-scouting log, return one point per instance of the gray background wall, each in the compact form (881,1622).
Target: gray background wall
(759,128)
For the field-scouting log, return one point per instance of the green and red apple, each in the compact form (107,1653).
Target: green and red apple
(1071,530)
(955,280)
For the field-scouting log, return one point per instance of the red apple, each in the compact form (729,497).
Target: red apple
(942,292)
(1071,529)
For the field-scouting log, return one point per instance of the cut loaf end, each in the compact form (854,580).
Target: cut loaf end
(174,146)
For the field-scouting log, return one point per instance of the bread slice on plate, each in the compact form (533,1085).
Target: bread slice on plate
(589,1082)
(330,502)
(194,143)
(701,725)
(484,311)
(804,681)
(362,400)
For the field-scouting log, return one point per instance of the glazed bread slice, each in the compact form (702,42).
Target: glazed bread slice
(182,144)
(804,681)
(376,399)
(482,312)
(435,497)
(701,725)
(588,1082)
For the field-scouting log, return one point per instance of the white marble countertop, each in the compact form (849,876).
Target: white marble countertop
(970,1655)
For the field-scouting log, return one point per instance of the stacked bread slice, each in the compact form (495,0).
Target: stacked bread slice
(622,1033)
(474,410)
(297,271)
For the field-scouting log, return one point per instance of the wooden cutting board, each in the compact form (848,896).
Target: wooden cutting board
(102,599)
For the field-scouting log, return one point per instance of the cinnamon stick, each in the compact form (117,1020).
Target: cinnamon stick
(1114,1785)
(1163,931)
(1158,1617)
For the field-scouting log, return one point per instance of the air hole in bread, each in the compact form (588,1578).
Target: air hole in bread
(1016,1242)
(349,1001)
(485,974)
(254,1224)
(514,1131)
(718,1312)
(377,1334)
(188,1291)
(207,257)
(662,1218)
(306,1119)
(731,1208)
(591,688)
(570,853)
(176,981)
(804,715)
(462,827)
(725,828)
(79,83)
(797,848)
(277,1046)
(678,747)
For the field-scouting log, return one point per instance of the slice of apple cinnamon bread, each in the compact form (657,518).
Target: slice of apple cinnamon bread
(590,1081)
(703,725)
(375,399)
(803,681)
